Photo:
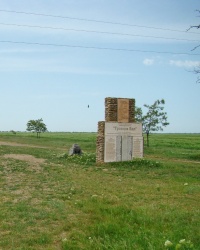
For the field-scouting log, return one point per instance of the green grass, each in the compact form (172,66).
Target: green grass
(74,203)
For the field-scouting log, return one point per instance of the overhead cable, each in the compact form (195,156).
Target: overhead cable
(92,20)
(95,31)
(98,48)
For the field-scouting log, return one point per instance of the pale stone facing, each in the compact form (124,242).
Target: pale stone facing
(118,148)
(127,148)
(123,141)
(138,147)
(122,148)
(110,149)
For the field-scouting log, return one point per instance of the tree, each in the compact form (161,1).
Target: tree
(197,69)
(196,27)
(155,118)
(36,126)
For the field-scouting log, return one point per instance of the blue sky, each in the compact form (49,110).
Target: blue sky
(57,83)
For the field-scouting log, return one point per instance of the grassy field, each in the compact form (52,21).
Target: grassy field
(49,200)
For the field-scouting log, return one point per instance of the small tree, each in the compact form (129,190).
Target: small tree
(196,27)
(197,69)
(36,126)
(155,118)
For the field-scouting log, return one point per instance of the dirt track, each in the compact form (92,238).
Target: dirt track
(15,144)
(24,157)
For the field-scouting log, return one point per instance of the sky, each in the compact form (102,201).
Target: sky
(58,57)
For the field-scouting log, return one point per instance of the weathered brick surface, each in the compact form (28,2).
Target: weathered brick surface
(111,109)
(100,142)
(131,110)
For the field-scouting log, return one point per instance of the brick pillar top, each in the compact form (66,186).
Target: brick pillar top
(119,109)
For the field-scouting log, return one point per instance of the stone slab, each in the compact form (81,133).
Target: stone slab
(118,148)
(123,110)
(138,147)
(110,149)
(127,148)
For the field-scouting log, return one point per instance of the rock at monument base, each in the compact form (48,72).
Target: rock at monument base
(75,150)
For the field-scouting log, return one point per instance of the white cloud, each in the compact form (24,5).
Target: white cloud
(185,64)
(148,62)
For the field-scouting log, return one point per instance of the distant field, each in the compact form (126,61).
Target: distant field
(49,200)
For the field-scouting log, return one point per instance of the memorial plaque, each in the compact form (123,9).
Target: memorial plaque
(110,149)
(127,148)
(118,148)
(138,147)
(124,148)
(130,147)
(123,110)
(113,148)
(123,141)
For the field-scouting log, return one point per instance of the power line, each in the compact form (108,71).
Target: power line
(99,48)
(93,20)
(95,31)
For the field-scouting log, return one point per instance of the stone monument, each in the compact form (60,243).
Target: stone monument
(119,137)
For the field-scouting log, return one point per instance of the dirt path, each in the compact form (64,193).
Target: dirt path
(24,157)
(15,144)
(174,160)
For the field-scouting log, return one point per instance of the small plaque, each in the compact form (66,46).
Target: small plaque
(118,148)
(138,147)
(110,149)
(123,110)
(127,148)
(130,129)
(130,147)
